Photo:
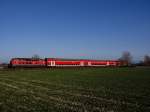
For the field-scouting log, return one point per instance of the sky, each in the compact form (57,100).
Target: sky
(93,29)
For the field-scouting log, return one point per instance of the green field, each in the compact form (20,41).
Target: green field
(78,89)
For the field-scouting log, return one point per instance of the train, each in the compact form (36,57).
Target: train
(60,62)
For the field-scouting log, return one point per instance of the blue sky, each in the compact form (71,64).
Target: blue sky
(99,29)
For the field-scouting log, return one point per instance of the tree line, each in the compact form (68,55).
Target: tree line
(126,56)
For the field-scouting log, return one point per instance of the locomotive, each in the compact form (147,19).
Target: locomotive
(59,62)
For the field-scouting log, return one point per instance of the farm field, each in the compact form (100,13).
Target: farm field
(76,89)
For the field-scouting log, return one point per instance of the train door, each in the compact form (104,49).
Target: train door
(52,63)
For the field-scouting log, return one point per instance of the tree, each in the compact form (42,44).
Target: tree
(147,60)
(126,56)
(35,56)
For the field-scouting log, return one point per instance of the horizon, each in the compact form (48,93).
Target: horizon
(88,29)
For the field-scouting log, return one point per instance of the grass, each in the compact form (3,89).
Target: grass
(78,89)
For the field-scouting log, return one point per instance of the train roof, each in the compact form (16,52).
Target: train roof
(59,59)
(78,59)
(26,59)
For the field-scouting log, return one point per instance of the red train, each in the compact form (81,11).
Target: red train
(57,62)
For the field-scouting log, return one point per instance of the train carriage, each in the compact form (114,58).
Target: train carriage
(55,62)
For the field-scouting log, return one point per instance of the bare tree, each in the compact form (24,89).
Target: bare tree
(35,56)
(126,56)
(146,60)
